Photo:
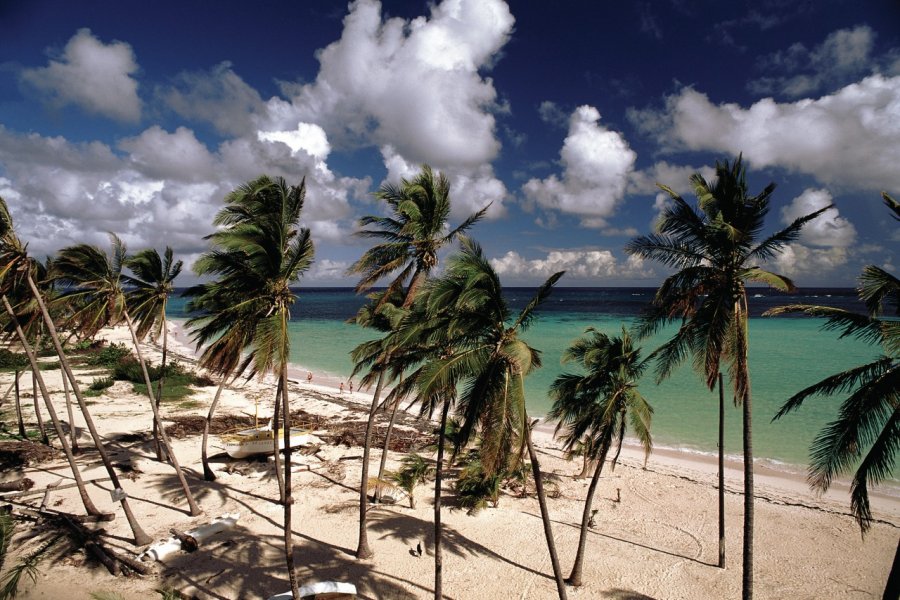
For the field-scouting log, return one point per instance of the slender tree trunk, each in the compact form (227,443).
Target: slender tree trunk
(72,433)
(362,549)
(37,408)
(164,437)
(32,358)
(288,497)
(576,575)
(208,474)
(721,474)
(417,280)
(586,464)
(892,587)
(438,480)
(277,455)
(22,432)
(743,372)
(159,385)
(140,536)
(384,450)
(545,514)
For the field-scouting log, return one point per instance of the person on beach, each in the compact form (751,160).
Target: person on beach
(350,381)
(342,387)
(309,377)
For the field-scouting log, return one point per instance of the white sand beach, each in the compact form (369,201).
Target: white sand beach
(656,530)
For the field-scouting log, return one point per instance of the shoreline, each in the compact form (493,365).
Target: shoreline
(780,475)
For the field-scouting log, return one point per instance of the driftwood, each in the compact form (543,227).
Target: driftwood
(18,485)
(188,542)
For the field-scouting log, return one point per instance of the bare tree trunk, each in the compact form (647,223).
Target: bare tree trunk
(743,372)
(577,568)
(140,536)
(438,534)
(22,432)
(37,409)
(545,514)
(72,433)
(892,587)
(277,455)
(159,386)
(384,450)
(208,474)
(288,497)
(32,358)
(164,437)
(721,474)
(362,549)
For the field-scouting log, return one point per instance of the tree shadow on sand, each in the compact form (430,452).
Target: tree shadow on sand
(623,594)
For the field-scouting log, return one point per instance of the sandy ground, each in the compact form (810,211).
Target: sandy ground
(659,540)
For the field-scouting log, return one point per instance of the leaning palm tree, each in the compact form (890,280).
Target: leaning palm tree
(478,349)
(716,254)
(150,288)
(410,240)
(597,406)
(94,281)
(255,256)
(866,433)
(17,264)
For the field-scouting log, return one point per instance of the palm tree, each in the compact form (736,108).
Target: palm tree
(477,348)
(151,286)
(411,238)
(716,255)
(414,470)
(598,405)
(258,252)
(95,283)
(866,433)
(17,265)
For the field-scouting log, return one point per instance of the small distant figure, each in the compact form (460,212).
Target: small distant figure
(591,522)
(309,377)
(342,387)
(351,385)
(419,549)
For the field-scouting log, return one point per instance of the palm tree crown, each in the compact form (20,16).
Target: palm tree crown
(151,286)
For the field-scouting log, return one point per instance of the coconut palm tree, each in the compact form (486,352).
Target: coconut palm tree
(17,265)
(477,348)
(866,433)
(716,253)
(597,405)
(258,252)
(94,281)
(150,288)
(410,240)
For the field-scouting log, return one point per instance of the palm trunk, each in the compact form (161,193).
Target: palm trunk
(418,278)
(577,567)
(721,474)
(32,358)
(22,432)
(585,465)
(277,455)
(545,514)
(438,478)
(140,537)
(72,433)
(159,384)
(384,451)
(892,587)
(164,437)
(288,498)
(37,408)
(743,372)
(208,474)
(362,549)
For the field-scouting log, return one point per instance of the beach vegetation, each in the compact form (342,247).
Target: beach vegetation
(414,470)
(716,252)
(594,408)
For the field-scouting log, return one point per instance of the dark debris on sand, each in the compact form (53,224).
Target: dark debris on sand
(22,454)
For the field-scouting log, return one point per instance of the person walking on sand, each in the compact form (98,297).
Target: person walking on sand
(350,381)
(309,377)
(342,387)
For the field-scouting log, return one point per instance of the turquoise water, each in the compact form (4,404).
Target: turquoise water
(786,355)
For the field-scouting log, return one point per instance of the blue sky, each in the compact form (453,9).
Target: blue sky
(138,117)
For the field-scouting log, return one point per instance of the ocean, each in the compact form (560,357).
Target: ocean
(786,355)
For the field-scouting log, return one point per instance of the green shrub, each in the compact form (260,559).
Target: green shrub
(128,368)
(13,361)
(109,356)
(101,383)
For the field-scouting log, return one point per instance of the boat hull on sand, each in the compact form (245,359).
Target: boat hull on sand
(258,440)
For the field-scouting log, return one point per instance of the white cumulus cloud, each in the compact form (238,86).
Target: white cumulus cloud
(97,77)
(579,265)
(829,230)
(597,163)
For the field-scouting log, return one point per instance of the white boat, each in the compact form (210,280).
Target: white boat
(322,589)
(258,440)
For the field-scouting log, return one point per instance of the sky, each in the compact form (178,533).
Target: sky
(139,117)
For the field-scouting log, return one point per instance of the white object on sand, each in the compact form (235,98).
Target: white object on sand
(160,550)
(322,589)
(258,440)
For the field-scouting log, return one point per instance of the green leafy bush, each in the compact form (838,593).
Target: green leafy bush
(12,361)
(109,356)
(101,383)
